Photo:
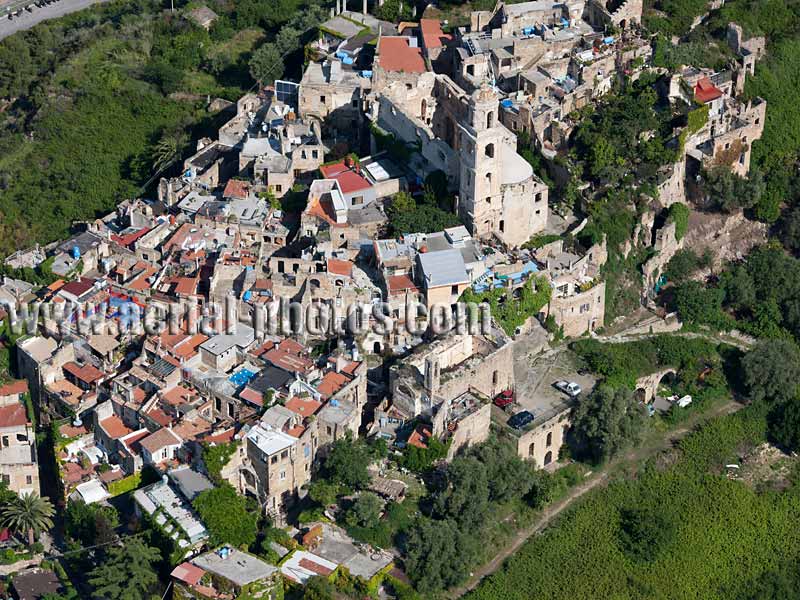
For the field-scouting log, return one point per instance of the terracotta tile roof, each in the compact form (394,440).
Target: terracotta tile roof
(114,427)
(69,431)
(297,431)
(78,288)
(159,440)
(74,473)
(323,209)
(133,439)
(86,373)
(303,406)
(288,361)
(221,438)
(179,395)
(252,395)
(340,267)
(705,91)
(19,386)
(158,416)
(291,346)
(188,573)
(349,180)
(66,390)
(191,429)
(13,415)
(112,475)
(396,54)
(236,188)
(130,238)
(315,567)
(419,437)
(400,283)
(432,34)
(186,286)
(331,383)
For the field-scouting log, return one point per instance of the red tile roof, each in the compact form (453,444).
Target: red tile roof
(252,396)
(114,427)
(186,286)
(188,573)
(19,386)
(315,567)
(705,91)
(86,373)
(78,288)
(13,415)
(304,407)
(340,267)
(129,238)
(236,188)
(331,383)
(419,437)
(395,54)
(159,440)
(288,361)
(400,283)
(432,34)
(349,180)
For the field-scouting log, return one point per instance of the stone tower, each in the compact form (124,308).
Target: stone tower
(480,164)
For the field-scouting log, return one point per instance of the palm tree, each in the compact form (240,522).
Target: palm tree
(28,513)
(169,149)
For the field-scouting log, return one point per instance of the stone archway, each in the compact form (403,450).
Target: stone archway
(647,386)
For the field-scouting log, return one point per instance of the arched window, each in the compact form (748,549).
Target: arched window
(548,458)
(489,119)
(530,450)
(489,150)
(549,438)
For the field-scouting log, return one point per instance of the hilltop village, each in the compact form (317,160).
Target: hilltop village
(304,195)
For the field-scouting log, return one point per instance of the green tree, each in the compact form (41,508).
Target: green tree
(347,463)
(679,214)
(789,230)
(608,421)
(784,424)
(463,495)
(169,149)
(684,264)
(365,512)
(226,517)
(319,588)
(90,523)
(127,573)
(772,370)
(29,514)
(439,554)
(645,533)
(266,64)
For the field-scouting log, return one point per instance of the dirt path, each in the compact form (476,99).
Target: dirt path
(649,448)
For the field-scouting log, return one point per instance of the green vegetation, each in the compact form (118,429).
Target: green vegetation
(226,517)
(608,421)
(420,460)
(215,457)
(760,296)
(679,214)
(90,524)
(101,97)
(681,516)
(512,312)
(125,485)
(466,508)
(127,573)
(407,215)
(29,515)
(686,263)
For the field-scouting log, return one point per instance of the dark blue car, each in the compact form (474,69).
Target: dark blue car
(521,419)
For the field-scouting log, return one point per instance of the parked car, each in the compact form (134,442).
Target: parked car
(521,419)
(504,398)
(568,387)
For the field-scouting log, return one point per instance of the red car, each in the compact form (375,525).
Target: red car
(504,398)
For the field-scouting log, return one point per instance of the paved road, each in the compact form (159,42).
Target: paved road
(26,19)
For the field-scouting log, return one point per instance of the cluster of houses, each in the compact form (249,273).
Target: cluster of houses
(406,101)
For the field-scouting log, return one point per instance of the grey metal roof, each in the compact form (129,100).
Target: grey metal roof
(445,267)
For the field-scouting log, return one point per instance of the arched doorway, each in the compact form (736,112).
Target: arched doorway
(548,458)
